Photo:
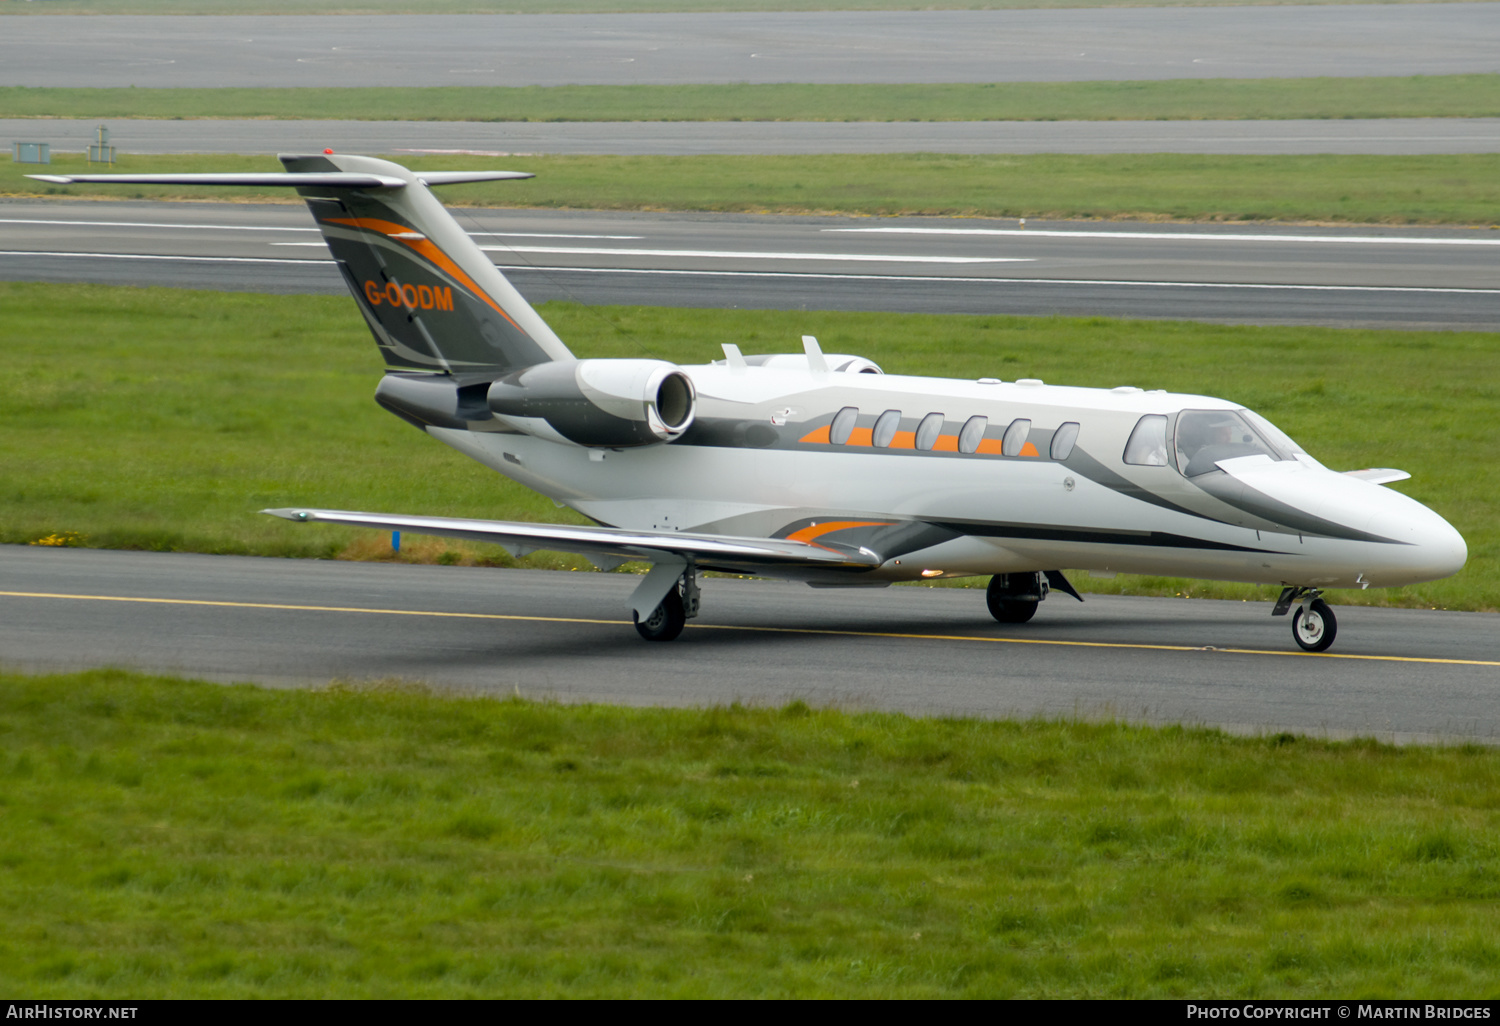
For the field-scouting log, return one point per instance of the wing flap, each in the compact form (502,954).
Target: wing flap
(607,542)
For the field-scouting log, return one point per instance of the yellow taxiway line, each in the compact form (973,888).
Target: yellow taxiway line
(762,630)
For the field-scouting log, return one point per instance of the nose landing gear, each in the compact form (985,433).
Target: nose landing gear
(1313,624)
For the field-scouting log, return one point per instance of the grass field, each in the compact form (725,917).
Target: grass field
(1452,189)
(1430,96)
(165,838)
(164,419)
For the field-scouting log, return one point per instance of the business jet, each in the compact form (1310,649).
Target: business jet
(818,467)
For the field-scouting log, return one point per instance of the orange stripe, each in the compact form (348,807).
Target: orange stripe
(424,247)
(818,437)
(861,436)
(903,440)
(946,443)
(990,447)
(1029,450)
(810,534)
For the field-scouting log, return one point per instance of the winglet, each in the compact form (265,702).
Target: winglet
(815,361)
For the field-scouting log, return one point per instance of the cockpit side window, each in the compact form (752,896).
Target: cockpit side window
(1204,437)
(843,425)
(1147,446)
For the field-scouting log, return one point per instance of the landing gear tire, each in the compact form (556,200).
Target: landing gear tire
(1006,604)
(666,620)
(1314,628)
(1008,611)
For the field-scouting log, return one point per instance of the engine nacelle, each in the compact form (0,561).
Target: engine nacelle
(600,403)
(840,363)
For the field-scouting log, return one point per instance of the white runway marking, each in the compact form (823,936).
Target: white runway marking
(1127,236)
(808,274)
(726,254)
(729,254)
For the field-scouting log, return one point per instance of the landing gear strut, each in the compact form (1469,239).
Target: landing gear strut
(1313,624)
(677,607)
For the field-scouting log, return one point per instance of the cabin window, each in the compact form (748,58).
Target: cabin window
(972,434)
(929,430)
(1063,439)
(1204,437)
(1015,437)
(843,425)
(885,428)
(1148,442)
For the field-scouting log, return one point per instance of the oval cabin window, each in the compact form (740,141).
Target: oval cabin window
(843,425)
(1063,439)
(1015,437)
(885,428)
(929,431)
(972,434)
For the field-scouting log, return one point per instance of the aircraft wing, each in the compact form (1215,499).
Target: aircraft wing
(1378,475)
(608,546)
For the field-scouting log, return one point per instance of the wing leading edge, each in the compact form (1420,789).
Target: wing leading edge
(608,547)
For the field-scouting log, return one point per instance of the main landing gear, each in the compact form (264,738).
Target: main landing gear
(1313,624)
(677,607)
(1013,598)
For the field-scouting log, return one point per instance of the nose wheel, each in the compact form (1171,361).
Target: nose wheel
(1313,624)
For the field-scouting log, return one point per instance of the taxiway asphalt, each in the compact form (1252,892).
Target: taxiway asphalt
(1398,675)
(1128,43)
(1387,277)
(1390,136)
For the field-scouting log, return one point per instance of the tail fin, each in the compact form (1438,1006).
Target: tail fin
(433,300)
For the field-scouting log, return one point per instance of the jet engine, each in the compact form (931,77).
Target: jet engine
(598,403)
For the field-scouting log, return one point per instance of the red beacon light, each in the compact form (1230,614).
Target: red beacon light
(328,151)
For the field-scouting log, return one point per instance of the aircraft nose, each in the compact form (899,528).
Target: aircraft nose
(1435,548)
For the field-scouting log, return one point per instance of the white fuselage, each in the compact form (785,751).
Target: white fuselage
(759,461)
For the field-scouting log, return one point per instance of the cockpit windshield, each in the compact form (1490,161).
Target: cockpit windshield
(1204,437)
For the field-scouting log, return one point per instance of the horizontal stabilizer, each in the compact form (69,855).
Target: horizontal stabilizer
(343,179)
(340,179)
(1378,475)
(651,546)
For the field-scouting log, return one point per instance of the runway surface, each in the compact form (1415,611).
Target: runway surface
(620,49)
(1390,277)
(1396,136)
(1402,675)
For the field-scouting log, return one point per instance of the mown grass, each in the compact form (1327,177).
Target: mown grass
(1421,96)
(1441,189)
(164,419)
(169,838)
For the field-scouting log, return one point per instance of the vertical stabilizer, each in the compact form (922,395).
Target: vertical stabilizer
(431,297)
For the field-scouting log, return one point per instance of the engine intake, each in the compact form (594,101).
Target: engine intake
(599,403)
